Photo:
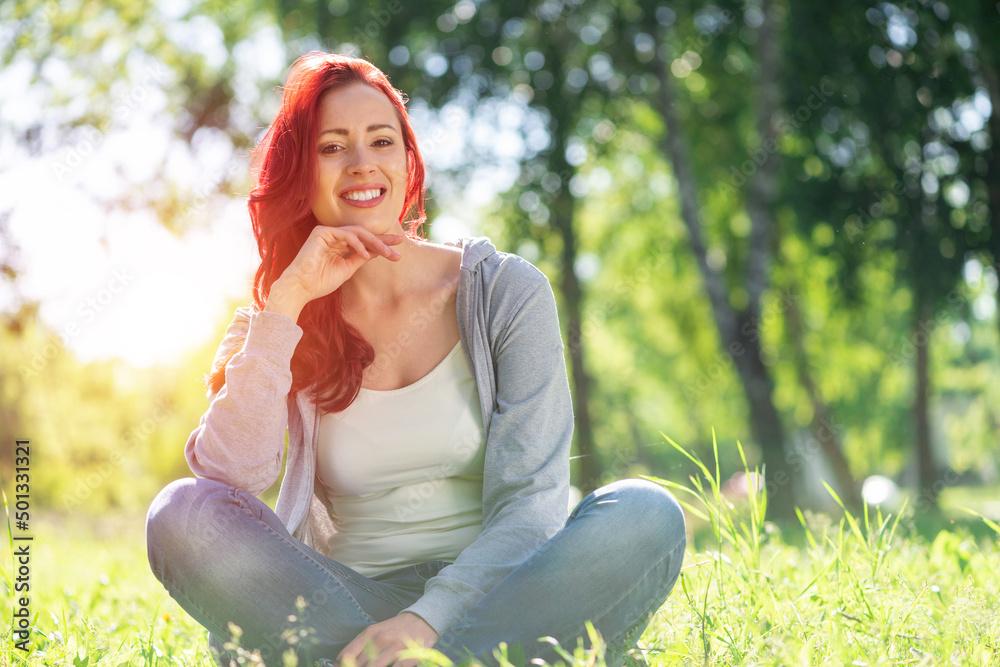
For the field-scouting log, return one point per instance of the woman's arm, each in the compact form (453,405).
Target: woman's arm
(240,438)
(526,477)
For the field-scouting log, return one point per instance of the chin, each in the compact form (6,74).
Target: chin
(376,224)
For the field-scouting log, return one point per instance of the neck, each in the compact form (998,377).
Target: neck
(381,282)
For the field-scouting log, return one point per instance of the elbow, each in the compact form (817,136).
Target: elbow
(252,476)
(255,480)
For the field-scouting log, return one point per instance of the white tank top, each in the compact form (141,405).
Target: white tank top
(401,471)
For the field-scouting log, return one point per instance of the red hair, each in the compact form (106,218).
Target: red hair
(332,355)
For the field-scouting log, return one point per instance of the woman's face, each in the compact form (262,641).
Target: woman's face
(361,175)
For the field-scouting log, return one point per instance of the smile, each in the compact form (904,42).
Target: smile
(365,198)
(363,195)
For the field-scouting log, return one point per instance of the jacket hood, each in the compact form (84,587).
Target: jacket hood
(475,250)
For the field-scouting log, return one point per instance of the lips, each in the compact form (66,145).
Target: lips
(364,196)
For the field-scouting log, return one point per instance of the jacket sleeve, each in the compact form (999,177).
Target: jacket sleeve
(526,475)
(240,439)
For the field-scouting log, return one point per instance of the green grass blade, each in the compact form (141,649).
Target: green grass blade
(992,524)
(812,581)
(691,457)
(855,529)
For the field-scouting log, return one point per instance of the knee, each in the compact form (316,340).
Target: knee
(649,511)
(182,518)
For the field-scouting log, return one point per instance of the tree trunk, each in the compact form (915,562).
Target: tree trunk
(562,220)
(739,332)
(766,426)
(561,214)
(927,474)
(822,425)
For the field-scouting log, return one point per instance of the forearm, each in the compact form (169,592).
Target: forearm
(239,439)
(286,299)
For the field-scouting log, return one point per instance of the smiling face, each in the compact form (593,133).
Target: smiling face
(361,168)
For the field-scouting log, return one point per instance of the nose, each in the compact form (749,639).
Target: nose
(361,162)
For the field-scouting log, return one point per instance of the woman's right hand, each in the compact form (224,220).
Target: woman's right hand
(327,259)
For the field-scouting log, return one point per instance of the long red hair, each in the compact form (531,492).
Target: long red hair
(332,355)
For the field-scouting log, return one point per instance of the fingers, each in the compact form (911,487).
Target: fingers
(363,652)
(365,647)
(392,239)
(391,253)
(349,654)
(379,644)
(331,255)
(382,242)
(364,242)
(357,245)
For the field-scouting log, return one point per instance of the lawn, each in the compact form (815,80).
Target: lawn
(844,590)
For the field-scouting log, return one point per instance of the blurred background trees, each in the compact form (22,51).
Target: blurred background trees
(776,219)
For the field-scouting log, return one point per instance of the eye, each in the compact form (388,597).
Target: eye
(383,142)
(330,149)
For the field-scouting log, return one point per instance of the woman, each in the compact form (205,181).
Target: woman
(424,391)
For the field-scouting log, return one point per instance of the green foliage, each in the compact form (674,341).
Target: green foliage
(649,338)
(103,435)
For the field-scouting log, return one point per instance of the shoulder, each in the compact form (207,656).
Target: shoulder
(442,263)
(508,287)
(497,269)
(444,252)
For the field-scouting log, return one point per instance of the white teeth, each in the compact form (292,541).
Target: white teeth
(362,195)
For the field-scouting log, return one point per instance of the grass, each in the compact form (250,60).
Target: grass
(848,590)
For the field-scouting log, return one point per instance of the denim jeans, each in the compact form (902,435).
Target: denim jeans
(225,557)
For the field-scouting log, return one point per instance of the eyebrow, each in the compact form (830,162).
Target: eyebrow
(371,128)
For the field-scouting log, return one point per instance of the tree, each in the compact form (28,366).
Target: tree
(890,158)
(685,45)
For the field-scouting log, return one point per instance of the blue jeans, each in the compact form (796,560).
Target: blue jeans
(226,558)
